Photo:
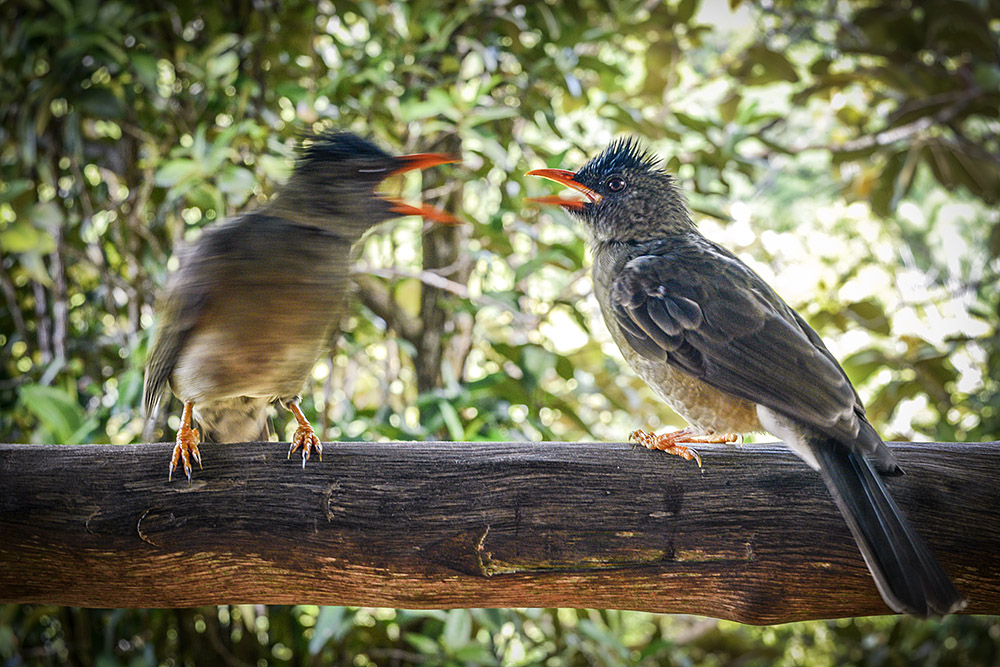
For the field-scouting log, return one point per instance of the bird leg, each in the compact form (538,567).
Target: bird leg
(305,437)
(669,442)
(186,447)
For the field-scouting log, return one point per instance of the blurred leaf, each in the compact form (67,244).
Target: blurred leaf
(13,189)
(173,172)
(860,365)
(221,44)
(870,315)
(20,236)
(32,264)
(697,124)
(206,197)
(457,629)
(425,645)
(476,654)
(407,293)
(603,638)
(55,409)
(729,106)
(236,180)
(144,65)
(274,168)
(47,215)
(553,256)
(760,66)
(332,624)
(686,9)
(488,114)
(223,65)
(994,242)
(451,420)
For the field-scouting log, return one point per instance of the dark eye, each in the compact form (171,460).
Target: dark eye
(615,184)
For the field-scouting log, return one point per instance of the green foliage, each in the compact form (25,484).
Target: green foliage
(128,127)
(248,634)
(848,150)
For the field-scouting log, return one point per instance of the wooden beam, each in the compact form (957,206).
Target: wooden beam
(753,536)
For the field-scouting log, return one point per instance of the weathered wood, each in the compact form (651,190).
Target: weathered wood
(753,536)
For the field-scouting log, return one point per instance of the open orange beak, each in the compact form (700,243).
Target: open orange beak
(567,178)
(422,161)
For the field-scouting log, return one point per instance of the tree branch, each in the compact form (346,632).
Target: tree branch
(752,536)
(437,281)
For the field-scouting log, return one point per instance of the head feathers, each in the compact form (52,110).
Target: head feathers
(637,201)
(334,146)
(624,154)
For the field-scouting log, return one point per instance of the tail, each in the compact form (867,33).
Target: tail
(907,575)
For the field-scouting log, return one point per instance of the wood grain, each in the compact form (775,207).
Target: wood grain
(753,536)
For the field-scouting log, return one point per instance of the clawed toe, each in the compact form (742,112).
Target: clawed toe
(305,437)
(185,451)
(670,443)
(186,446)
(306,440)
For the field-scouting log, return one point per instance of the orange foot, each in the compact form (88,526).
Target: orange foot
(305,437)
(186,448)
(669,442)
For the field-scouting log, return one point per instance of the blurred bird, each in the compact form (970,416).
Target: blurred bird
(715,342)
(258,298)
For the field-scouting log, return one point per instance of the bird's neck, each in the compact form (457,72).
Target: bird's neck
(303,207)
(310,205)
(642,236)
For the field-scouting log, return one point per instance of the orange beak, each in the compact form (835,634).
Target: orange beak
(567,178)
(426,211)
(422,161)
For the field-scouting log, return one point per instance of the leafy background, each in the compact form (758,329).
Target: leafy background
(848,151)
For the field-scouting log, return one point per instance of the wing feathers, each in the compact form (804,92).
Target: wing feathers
(705,312)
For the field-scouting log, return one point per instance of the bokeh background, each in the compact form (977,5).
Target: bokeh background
(849,151)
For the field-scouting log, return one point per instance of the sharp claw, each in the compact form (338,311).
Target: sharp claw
(185,446)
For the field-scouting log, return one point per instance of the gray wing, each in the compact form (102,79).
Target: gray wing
(698,308)
(182,304)
(181,309)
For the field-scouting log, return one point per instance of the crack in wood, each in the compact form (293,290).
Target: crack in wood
(482,553)
(138,528)
(86,524)
(328,507)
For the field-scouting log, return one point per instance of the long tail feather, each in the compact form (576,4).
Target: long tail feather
(907,575)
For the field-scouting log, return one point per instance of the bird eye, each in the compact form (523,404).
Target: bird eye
(615,184)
